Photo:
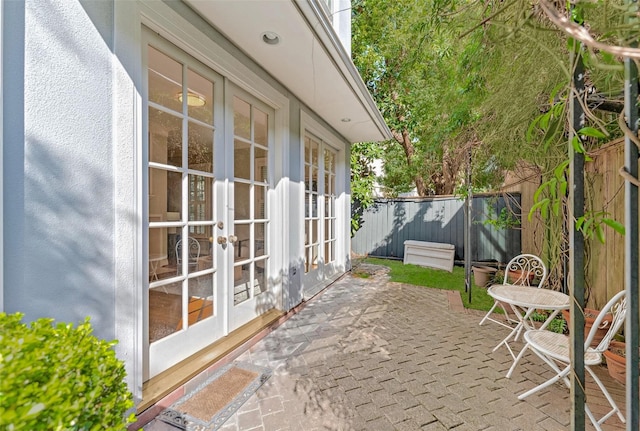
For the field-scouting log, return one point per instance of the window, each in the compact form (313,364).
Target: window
(181,199)
(251,186)
(329,205)
(311,215)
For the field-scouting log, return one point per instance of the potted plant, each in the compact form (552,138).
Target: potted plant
(517,276)
(483,275)
(617,361)
(589,317)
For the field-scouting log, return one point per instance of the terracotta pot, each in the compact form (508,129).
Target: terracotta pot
(518,277)
(483,275)
(590,316)
(616,361)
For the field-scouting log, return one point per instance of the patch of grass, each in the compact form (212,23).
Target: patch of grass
(435,278)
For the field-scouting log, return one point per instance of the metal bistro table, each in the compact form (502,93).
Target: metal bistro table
(524,300)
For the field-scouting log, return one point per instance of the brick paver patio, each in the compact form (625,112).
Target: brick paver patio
(368,354)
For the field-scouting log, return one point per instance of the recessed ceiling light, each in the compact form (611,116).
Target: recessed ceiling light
(270,38)
(345,120)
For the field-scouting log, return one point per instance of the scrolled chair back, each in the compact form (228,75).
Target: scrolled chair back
(525,269)
(612,316)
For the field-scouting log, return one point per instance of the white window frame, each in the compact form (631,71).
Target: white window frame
(329,194)
(253,220)
(177,30)
(308,124)
(315,239)
(131,240)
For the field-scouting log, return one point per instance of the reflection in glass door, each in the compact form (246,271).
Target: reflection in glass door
(329,197)
(184,300)
(252,135)
(311,216)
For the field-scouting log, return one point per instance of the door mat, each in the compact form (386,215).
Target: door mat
(216,399)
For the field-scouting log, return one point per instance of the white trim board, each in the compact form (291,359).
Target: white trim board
(173,27)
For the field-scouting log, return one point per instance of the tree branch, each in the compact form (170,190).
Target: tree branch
(487,19)
(582,34)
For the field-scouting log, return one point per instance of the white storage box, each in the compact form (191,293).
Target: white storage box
(432,254)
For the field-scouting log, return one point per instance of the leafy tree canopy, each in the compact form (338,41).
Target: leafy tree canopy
(459,80)
(490,82)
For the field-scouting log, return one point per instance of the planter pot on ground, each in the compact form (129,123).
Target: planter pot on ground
(616,361)
(483,275)
(616,358)
(590,316)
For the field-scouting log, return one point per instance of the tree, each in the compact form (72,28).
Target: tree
(363,179)
(491,79)
(392,48)
(528,81)
(429,85)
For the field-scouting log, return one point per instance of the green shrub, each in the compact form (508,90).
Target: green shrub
(57,377)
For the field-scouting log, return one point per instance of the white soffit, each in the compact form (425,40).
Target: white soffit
(309,59)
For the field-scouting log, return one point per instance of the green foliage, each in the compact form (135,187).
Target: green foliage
(428,84)
(504,220)
(493,80)
(592,224)
(363,180)
(452,86)
(57,377)
(558,324)
(550,195)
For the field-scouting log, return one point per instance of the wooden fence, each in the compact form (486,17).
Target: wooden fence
(604,188)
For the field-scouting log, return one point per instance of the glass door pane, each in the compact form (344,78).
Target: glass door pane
(251,186)
(311,234)
(329,204)
(252,135)
(181,201)
(184,299)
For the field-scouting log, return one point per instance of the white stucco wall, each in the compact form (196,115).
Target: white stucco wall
(58,197)
(342,22)
(74,185)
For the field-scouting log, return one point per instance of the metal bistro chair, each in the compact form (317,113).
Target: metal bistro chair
(193,254)
(555,350)
(522,270)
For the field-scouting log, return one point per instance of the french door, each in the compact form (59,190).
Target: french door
(320,213)
(251,130)
(209,157)
(186,294)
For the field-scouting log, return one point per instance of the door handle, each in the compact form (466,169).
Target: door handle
(222,240)
(233,239)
